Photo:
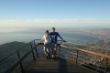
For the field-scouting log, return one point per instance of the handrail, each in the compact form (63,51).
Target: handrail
(94,53)
(104,56)
(19,61)
(90,52)
(86,51)
(40,41)
(20,58)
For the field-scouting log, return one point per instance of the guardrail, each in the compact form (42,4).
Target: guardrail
(20,59)
(104,57)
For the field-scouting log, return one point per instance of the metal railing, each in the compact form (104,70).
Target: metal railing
(103,57)
(19,59)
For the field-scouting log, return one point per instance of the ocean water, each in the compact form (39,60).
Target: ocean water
(80,38)
(77,38)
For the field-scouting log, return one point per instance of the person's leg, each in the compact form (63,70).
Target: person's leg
(44,50)
(55,50)
(52,50)
(49,50)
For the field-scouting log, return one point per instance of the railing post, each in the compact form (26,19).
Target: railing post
(21,65)
(106,65)
(77,55)
(34,58)
(36,51)
(32,47)
(35,47)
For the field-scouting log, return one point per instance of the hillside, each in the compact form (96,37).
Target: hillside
(11,47)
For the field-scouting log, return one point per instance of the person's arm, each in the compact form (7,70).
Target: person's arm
(61,37)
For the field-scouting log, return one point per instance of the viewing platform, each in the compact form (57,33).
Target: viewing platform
(43,65)
(62,64)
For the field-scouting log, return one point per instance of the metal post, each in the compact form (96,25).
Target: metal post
(36,51)
(77,56)
(21,65)
(35,47)
(106,65)
(32,47)
(34,58)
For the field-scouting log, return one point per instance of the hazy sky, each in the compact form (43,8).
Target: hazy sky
(28,14)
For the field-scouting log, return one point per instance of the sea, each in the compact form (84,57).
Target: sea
(74,37)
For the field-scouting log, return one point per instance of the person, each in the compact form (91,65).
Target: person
(46,40)
(54,41)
